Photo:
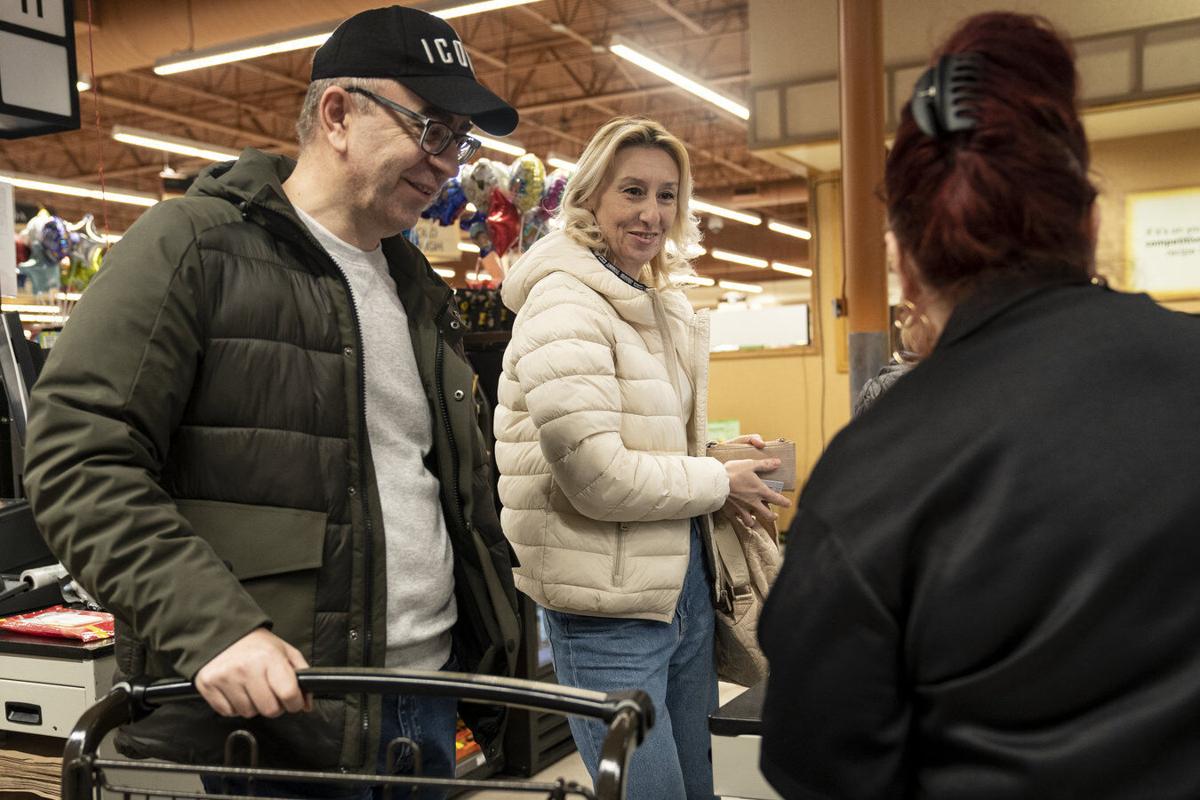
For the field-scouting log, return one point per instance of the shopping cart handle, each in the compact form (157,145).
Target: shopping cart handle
(629,715)
(487,689)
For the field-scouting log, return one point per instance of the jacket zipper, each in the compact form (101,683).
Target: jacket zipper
(439,389)
(368,545)
(706,522)
(619,557)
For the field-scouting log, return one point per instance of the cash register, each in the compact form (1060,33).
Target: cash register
(45,683)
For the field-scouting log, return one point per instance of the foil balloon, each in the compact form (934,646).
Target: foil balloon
(526,180)
(556,186)
(467,221)
(448,204)
(48,242)
(484,177)
(55,238)
(476,228)
(534,226)
(503,222)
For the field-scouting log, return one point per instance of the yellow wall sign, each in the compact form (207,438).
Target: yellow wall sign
(1162,250)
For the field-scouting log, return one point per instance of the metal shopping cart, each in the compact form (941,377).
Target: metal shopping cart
(629,716)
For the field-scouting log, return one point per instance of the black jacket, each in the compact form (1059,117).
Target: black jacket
(990,588)
(198,459)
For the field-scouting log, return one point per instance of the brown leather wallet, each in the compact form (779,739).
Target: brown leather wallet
(782,479)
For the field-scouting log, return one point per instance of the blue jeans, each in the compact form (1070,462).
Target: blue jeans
(672,662)
(429,721)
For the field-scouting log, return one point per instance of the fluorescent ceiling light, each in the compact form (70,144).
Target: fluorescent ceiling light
(212,59)
(444,273)
(44,319)
(299,40)
(728,213)
(501,146)
(172,144)
(624,48)
(789,230)
(31,309)
(740,287)
(561,163)
(803,272)
(691,280)
(92,192)
(478,8)
(467,247)
(738,258)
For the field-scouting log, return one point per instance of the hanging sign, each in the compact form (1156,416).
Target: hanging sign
(438,243)
(37,68)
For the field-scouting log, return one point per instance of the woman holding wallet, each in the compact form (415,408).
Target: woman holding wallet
(600,442)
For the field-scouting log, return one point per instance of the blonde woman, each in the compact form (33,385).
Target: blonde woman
(600,439)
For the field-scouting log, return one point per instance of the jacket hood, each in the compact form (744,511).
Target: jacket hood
(557,252)
(255,177)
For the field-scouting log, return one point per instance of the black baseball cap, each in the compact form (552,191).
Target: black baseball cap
(420,51)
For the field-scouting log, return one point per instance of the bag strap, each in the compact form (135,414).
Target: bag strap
(733,562)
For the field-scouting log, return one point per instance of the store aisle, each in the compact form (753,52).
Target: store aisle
(571,767)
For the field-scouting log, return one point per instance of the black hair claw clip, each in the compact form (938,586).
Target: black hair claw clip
(941,101)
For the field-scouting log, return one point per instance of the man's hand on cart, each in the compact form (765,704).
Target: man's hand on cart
(254,675)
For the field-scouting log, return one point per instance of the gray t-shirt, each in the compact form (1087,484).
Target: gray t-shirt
(419,557)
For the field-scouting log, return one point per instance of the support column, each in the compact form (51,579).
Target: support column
(860,30)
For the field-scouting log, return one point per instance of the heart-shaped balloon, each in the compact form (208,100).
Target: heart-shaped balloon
(526,180)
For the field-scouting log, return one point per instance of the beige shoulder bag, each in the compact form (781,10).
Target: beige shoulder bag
(749,560)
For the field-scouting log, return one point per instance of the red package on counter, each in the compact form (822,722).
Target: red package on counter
(62,622)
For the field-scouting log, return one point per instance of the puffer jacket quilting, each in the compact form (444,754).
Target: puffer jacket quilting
(598,475)
(234,412)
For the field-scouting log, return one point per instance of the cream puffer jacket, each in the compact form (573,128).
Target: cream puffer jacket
(599,474)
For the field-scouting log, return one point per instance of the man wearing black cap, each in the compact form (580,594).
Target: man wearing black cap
(256,443)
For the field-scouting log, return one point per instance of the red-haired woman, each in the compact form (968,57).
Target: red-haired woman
(990,585)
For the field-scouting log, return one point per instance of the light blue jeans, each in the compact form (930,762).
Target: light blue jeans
(672,662)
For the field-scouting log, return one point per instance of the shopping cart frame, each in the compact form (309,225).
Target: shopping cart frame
(629,716)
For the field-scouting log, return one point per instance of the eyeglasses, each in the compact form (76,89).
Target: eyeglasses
(436,135)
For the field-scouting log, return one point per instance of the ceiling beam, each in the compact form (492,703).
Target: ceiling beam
(673,12)
(284,145)
(627,94)
(645,32)
(177,86)
(279,77)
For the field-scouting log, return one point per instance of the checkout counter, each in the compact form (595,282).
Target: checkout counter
(736,730)
(45,683)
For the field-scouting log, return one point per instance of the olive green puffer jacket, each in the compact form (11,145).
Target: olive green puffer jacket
(198,459)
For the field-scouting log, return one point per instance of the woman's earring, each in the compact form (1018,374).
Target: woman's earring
(916,332)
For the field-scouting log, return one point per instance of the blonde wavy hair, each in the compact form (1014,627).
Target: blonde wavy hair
(576,214)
